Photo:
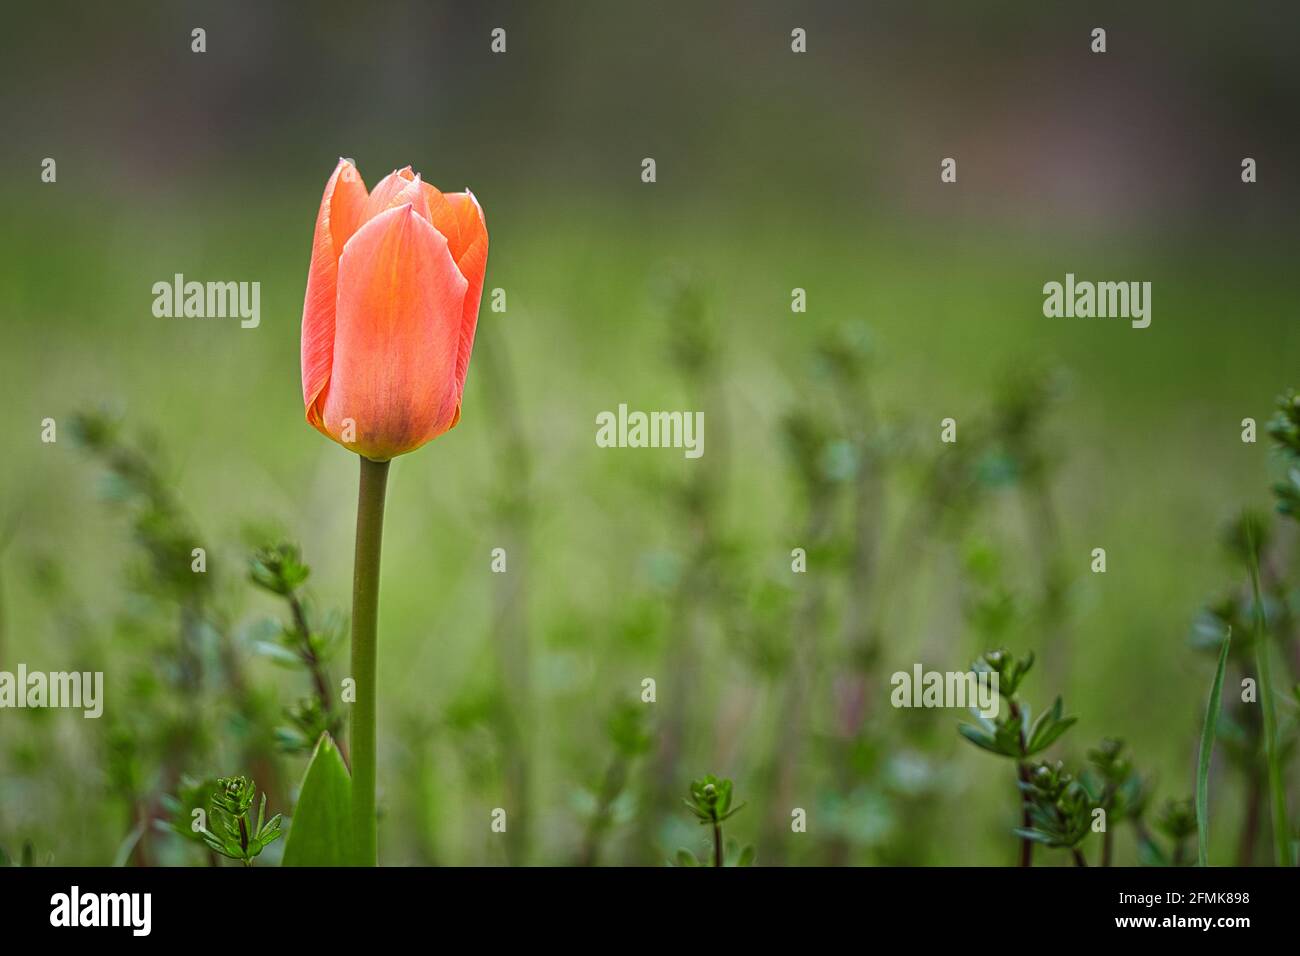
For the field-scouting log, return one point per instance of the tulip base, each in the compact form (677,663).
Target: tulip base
(365,617)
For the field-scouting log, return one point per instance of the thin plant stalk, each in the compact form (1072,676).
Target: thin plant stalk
(315,667)
(1022,772)
(1203,759)
(1277,793)
(365,617)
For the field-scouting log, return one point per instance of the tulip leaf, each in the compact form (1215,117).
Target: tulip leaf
(321,832)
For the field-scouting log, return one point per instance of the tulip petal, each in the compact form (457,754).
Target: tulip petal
(471,259)
(415,195)
(457,216)
(401,303)
(339,216)
(384,195)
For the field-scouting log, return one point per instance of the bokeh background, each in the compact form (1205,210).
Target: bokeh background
(774,171)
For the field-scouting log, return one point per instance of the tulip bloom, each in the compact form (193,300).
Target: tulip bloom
(390,311)
(387,330)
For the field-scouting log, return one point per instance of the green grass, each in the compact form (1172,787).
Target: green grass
(1212,706)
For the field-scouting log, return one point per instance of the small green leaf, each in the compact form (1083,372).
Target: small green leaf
(724,797)
(732,812)
(703,817)
(983,722)
(979,738)
(1047,728)
(321,831)
(1048,736)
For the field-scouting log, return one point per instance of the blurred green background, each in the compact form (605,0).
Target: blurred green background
(774,171)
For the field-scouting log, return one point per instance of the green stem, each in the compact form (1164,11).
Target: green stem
(1026,820)
(365,616)
(1022,771)
(1272,747)
(1272,751)
(717,844)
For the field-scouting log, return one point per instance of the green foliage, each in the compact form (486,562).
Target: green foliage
(1015,732)
(278,568)
(1059,807)
(233,833)
(710,802)
(1113,783)
(733,855)
(1176,822)
(308,719)
(1010,670)
(874,776)
(1177,818)
(1056,808)
(189,707)
(1284,428)
(305,643)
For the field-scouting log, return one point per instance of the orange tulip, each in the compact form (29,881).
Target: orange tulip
(391,307)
